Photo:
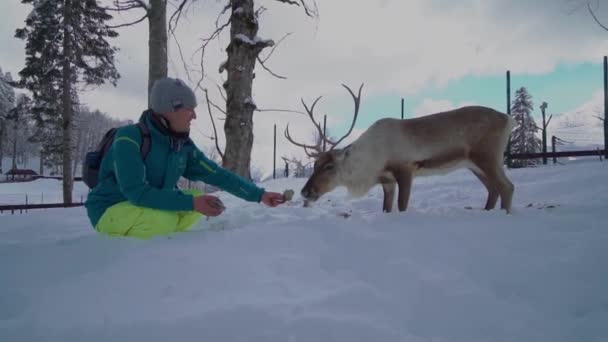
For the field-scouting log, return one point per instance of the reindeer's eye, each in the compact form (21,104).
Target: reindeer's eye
(328,167)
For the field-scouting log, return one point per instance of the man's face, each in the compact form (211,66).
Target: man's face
(181,119)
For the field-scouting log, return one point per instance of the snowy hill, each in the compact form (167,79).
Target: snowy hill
(339,271)
(580,128)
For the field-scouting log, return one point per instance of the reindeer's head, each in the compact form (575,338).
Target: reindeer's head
(325,176)
(327,166)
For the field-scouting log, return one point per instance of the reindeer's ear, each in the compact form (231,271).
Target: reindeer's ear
(343,153)
(347,150)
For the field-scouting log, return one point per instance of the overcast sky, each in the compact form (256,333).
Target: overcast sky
(416,49)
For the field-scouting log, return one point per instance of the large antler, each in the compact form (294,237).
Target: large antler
(357,100)
(322,137)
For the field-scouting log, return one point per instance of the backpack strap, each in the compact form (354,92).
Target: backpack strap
(145,139)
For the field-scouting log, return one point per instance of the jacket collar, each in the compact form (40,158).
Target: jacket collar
(159,125)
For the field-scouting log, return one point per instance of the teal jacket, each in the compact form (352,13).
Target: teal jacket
(152,183)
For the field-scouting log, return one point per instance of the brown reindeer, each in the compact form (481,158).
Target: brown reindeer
(391,152)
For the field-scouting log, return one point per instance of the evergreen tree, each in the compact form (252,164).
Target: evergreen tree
(523,137)
(18,118)
(7,100)
(65,45)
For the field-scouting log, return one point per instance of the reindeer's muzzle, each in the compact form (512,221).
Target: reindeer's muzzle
(309,194)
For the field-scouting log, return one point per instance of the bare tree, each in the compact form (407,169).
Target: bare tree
(313,150)
(591,6)
(156,13)
(243,53)
(299,166)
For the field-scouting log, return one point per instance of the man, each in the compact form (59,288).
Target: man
(139,198)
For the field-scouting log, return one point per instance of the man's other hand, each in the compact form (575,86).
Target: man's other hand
(208,205)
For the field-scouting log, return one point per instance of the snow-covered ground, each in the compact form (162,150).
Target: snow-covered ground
(339,271)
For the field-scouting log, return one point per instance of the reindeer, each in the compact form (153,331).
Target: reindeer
(392,152)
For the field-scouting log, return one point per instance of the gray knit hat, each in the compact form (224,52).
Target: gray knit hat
(169,94)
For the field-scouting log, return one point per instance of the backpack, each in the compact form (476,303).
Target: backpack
(92,160)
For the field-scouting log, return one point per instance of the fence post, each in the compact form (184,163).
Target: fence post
(26,203)
(286,169)
(542,109)
(324,130)
(402,108)
(509,113)
(553,141)
(606,107)
(274,154)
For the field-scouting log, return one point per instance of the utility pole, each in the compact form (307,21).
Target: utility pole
(543,107)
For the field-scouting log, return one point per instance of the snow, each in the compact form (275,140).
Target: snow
(223,66)
(338,271)
(257,40)
(39,191)
(249,101)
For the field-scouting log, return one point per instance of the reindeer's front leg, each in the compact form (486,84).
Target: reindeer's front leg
(389,196)
(404,176)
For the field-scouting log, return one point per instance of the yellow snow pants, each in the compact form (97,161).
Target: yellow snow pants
(126,219)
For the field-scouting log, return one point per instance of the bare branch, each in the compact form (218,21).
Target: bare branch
(221,92)
(217,146)
(181,54)
(217,20)
(592,12)
(280,110)
(259,11)
(309,11)
(131,23)
(275,46)
(176,16)
(122,8)
(206,42)
(217,107)
(270,71)
(289,2)
(598,117)
(125,5)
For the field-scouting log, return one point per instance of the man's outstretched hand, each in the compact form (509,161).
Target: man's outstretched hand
(273,199)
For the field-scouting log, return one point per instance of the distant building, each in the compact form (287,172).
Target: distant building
(21,175)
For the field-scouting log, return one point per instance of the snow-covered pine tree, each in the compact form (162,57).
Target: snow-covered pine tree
(66,44)
(18,121)
(7,101)
(523,138)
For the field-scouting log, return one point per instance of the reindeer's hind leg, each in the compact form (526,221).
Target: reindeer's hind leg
(389,196)
(492,190)
(495,174)
(403,176)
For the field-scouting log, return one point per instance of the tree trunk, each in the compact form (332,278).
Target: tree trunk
(67,106)
(15,135)
(240,106)
(41,162)
(157,42)
(77,152)
(2,128)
